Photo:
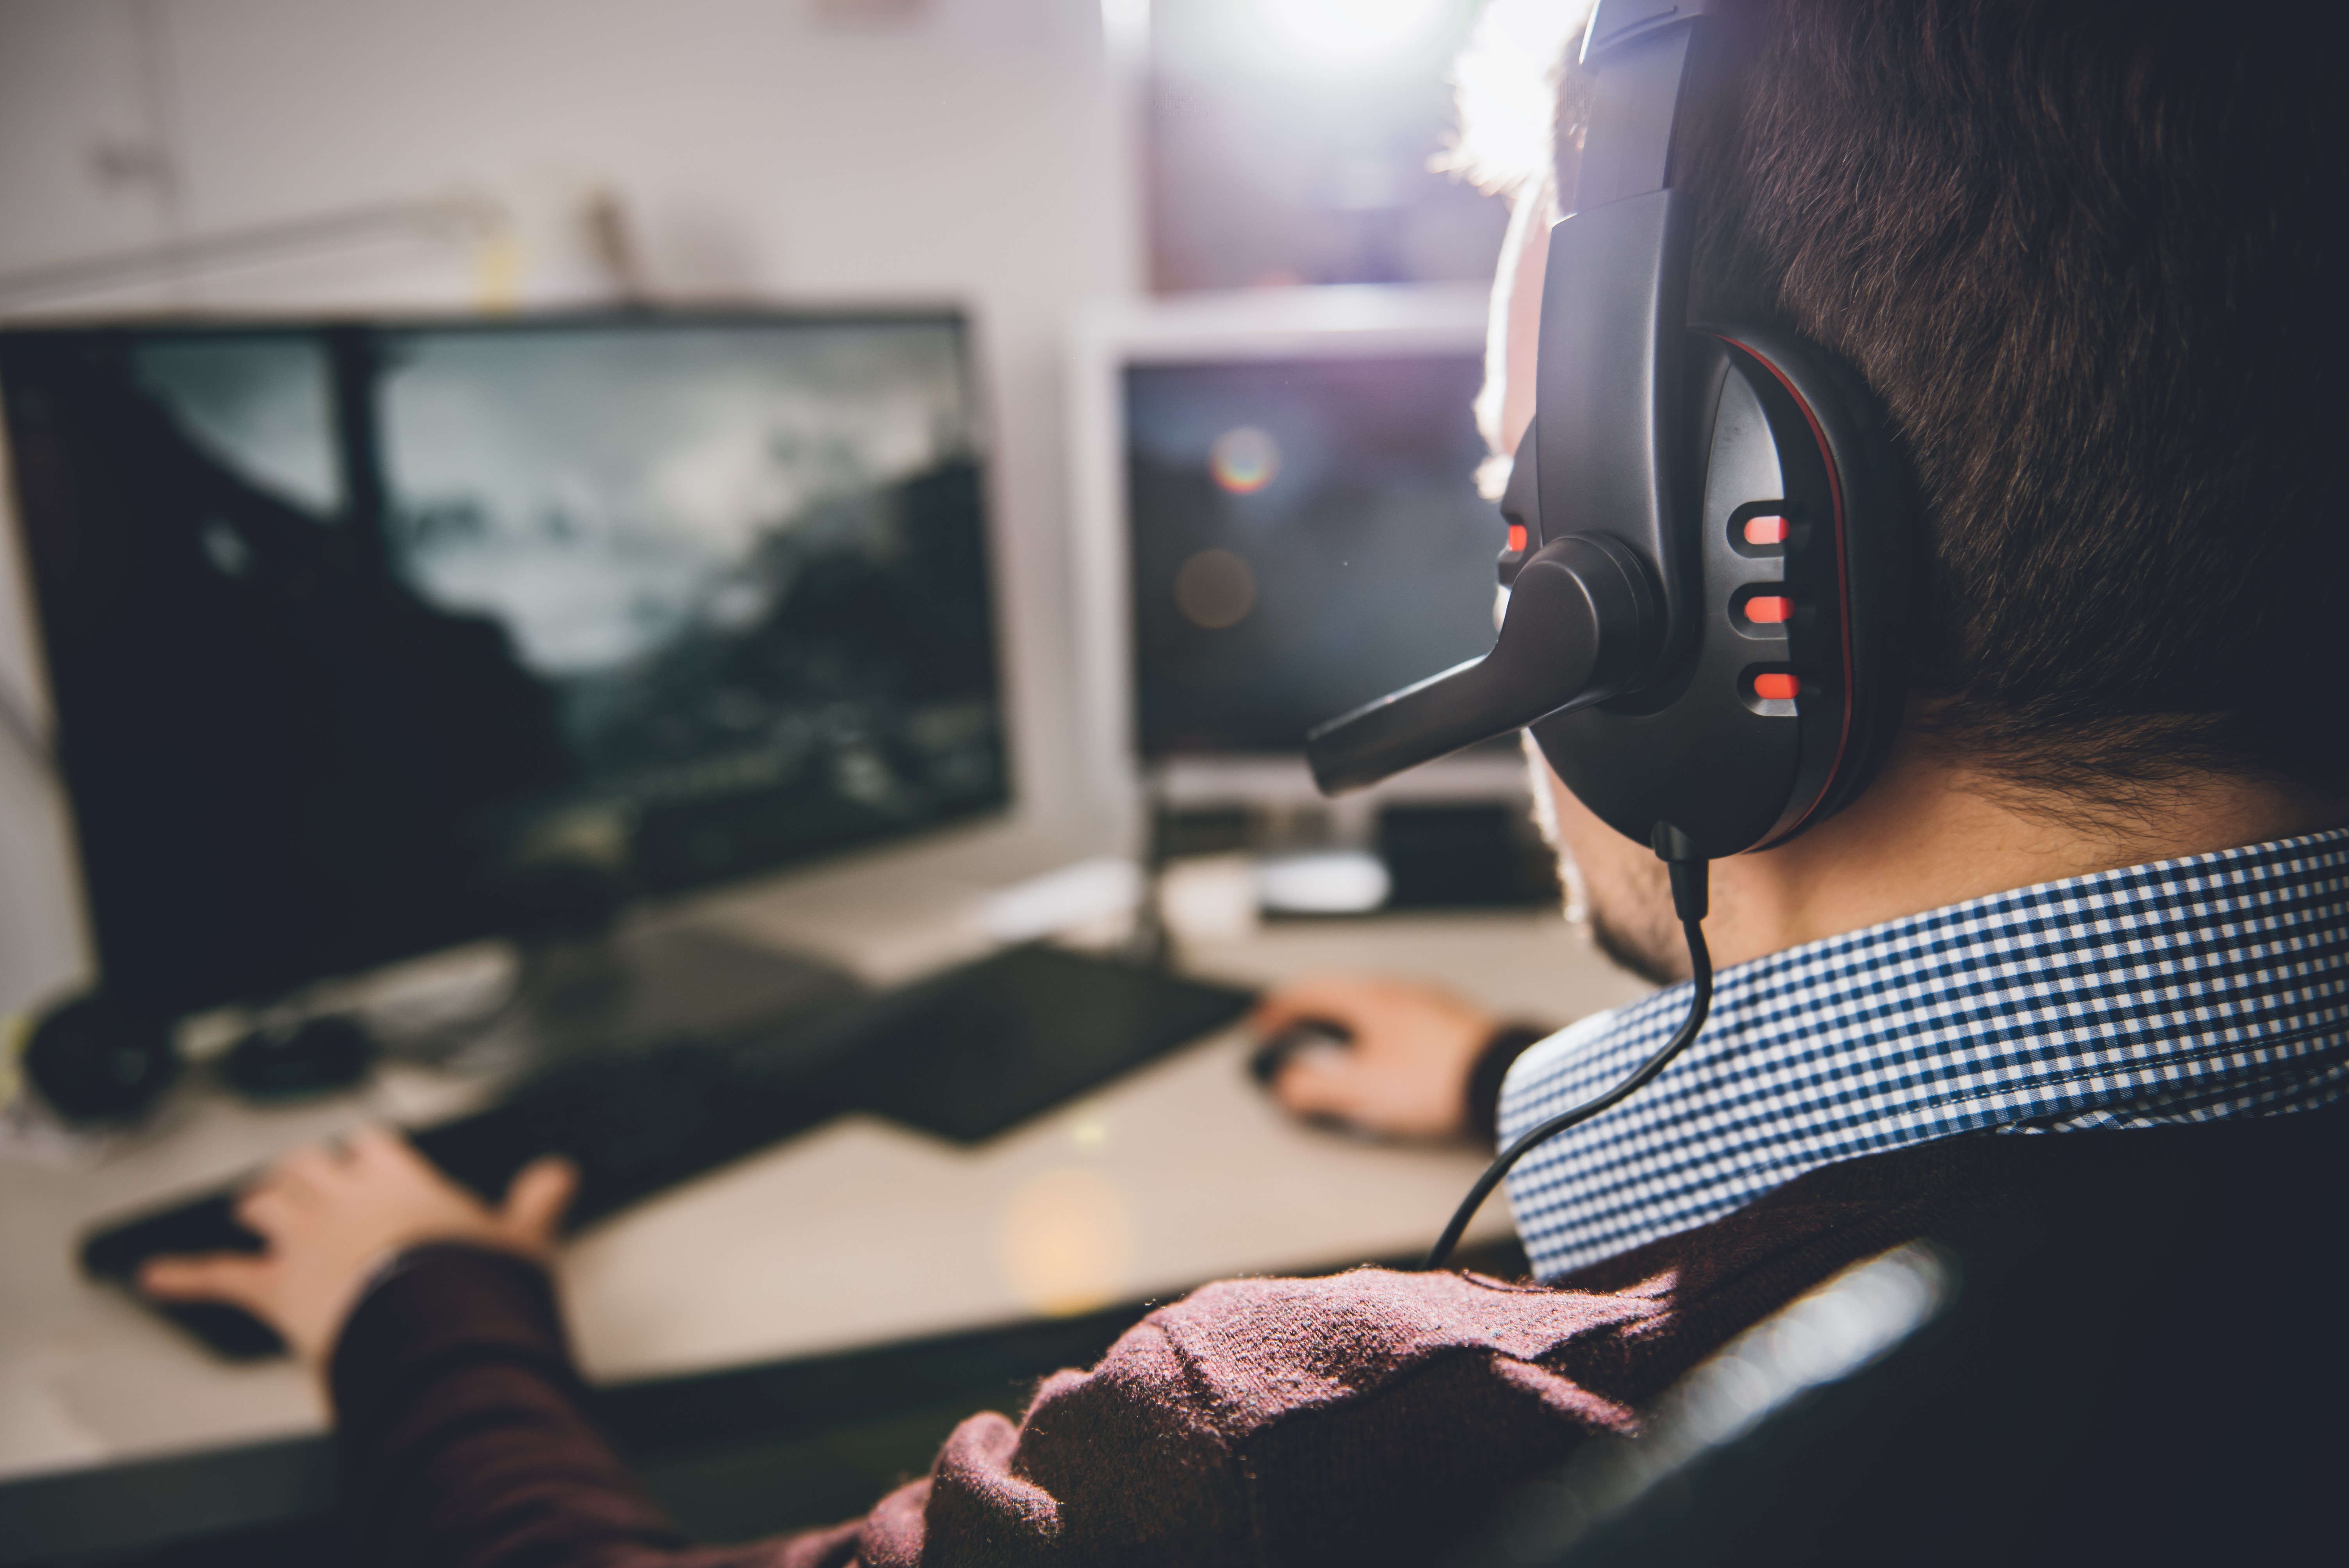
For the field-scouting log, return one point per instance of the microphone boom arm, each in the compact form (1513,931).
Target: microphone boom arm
(1582,625)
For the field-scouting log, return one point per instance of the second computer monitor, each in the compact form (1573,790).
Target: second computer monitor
(1292,519)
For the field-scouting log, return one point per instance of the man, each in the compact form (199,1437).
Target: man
(2100,892)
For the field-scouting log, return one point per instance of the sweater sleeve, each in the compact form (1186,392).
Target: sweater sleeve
(464,1439)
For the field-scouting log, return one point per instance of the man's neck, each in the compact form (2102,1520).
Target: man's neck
(1933,830)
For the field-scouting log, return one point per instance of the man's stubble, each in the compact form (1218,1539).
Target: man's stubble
(1616,889)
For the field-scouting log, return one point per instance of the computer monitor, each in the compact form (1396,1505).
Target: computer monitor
(1279,521)
(365,638)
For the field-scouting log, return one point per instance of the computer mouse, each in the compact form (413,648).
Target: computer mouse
(1304,1034)
(320,1054)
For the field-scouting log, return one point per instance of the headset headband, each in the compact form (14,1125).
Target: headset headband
(1615,300)
(1608,431)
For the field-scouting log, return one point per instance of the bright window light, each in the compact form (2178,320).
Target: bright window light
(1350,35)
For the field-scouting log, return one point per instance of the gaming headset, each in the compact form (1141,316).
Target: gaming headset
(1707,561)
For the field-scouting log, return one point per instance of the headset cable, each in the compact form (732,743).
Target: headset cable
(1689,881)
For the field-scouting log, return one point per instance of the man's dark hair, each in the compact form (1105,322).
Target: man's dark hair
(2090,256)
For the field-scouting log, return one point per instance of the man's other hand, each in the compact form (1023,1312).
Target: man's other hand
(331,1215)
(1404,1073)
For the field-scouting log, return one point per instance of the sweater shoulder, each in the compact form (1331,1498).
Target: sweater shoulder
(1186,1441)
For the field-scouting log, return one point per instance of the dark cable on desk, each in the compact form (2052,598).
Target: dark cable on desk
(1689,903)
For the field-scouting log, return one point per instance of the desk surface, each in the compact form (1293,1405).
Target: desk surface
(857,1233)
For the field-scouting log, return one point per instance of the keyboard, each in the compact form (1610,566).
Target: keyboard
(964,1055)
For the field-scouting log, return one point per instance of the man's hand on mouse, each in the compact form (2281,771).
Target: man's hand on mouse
(1403,1072)
(331,1215)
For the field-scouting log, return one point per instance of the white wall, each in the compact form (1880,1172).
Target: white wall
(972,151)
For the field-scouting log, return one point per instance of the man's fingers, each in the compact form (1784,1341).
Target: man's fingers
(540,1192)
(1318,1082)
(1339,997)
(265,1208)
(234,1277)
(382,1148)
(302,1173)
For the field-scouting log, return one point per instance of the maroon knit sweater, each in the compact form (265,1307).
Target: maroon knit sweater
(1368,1418)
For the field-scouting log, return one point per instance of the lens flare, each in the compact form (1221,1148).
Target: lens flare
(1215,589)
(1243,459)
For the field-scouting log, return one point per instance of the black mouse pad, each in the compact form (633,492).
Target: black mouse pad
(993,1045)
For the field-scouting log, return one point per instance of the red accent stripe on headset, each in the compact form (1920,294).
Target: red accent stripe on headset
(1843,590)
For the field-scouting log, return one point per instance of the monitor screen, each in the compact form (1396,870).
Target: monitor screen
(365,639)
(1306,535)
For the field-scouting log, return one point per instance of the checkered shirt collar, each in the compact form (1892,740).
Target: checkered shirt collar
(2183,991)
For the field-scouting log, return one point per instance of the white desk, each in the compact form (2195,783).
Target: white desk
(856,1233)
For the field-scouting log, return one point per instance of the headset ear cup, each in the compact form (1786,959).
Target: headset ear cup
(1882,580)
(1784,699)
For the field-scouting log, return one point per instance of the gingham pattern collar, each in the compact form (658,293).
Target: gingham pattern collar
(2182,991)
